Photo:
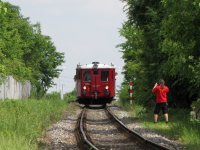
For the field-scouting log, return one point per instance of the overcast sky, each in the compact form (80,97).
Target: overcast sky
(85,30)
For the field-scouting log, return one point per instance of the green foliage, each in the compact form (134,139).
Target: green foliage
(52,96)
(124,94)
(44,60)
(162,41)
(70,97)
(11,52)
(22,122)
(25,52)
(3,9)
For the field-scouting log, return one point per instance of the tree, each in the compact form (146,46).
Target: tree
(162,41)
(25,52)
(44,60)
(181,44)
(141,49)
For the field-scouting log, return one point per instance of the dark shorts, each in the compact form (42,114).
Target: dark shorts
(160,106)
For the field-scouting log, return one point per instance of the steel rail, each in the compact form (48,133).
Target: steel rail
(134,134)
(81,134)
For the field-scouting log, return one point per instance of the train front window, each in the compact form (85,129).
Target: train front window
(87,76)
(104,76)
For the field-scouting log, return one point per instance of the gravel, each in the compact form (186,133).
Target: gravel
(60,136)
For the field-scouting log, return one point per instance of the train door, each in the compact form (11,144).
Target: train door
(101,81)
(96,83)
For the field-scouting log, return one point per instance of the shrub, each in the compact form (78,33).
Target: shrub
(71,96)
(52,96)
(124,94)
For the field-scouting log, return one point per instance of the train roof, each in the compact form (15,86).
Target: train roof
(95,65)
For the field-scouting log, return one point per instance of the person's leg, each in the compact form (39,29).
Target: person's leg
(166,117)
(156,112)
(155,118)
(165,112)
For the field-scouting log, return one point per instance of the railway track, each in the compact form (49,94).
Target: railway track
(83,140)
(101,129)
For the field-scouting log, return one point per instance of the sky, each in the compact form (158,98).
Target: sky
(84,30)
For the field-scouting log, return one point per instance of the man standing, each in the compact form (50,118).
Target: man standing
(160,90)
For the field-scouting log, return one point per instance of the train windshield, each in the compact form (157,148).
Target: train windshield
(87,76)
(104,76)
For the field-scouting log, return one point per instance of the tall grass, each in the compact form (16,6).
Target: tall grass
(22,121)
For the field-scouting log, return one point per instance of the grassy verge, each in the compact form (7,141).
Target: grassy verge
(23,121)
(180,126)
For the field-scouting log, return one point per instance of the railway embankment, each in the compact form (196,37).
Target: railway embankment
(136,125)
(61,135)
(181,128)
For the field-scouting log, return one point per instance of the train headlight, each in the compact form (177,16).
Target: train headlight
(106,87)
(84,87)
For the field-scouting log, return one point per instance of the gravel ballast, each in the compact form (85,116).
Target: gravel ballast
(60,136)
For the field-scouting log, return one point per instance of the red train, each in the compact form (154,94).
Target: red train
(95,83)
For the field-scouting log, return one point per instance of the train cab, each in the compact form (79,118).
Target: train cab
(95,83)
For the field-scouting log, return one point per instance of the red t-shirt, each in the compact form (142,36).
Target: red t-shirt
(161,93)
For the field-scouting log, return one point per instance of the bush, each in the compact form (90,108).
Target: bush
(124,94)
(71,96)
(52,96)
(124,100)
